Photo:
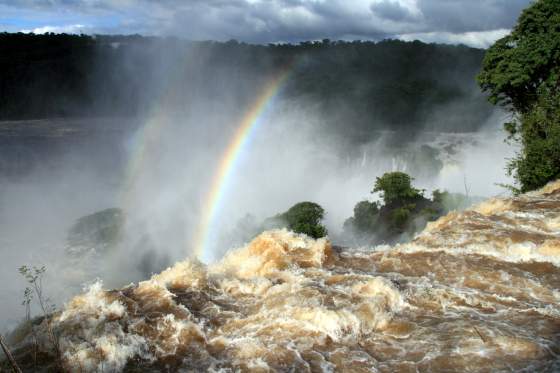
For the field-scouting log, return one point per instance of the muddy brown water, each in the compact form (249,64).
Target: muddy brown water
(477,291)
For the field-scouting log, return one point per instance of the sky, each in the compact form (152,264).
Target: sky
(477,23)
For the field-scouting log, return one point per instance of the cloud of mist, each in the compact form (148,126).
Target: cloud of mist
(35,214)
(162,166)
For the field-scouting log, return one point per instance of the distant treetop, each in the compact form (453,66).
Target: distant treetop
(355,86)
(395,186)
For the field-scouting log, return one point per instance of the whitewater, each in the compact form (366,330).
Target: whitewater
(476,291)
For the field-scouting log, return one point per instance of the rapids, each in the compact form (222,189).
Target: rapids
(476,291)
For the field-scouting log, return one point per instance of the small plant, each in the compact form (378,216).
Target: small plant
(27,299)
(34,277)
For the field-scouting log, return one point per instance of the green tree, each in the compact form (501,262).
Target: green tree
(399,218)
(365,217)
(306,217)
(395,187)
(538,162)
(516,66)
(521,72)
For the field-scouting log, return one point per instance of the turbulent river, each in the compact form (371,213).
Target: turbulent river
(476,291)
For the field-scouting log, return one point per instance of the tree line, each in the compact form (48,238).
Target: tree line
(358,85)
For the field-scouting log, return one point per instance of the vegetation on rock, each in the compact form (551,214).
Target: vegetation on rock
(306,217)
(303,217)
(396,186)
(404,211)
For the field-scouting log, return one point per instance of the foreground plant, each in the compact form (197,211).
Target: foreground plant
(34,292)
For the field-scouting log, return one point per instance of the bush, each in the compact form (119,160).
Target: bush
(399,218)
(365,217)
(305,217)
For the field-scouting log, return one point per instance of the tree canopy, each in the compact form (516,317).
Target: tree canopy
(306,217)
(404,211)
(395,186)
(358,85)
(538,162)
(522,73)
(365,216)
(519,64)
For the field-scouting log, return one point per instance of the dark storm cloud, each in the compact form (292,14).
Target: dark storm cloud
(264,21)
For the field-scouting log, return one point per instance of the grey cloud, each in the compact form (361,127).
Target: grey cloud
(391,10)
(270,21)
(467,15)
(264,21)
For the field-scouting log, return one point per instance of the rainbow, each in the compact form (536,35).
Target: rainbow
(229,162)
(145,141)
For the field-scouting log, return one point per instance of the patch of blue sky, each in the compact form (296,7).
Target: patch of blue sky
(32,20)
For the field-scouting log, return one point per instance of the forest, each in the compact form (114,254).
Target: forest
(358,85)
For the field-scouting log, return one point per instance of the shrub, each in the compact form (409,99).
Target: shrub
(305,217)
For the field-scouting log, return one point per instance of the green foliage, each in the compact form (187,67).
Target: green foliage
(438,196)
(34,277)
(303,217)
(516,66)
(306,217)
(538,162)
(35,292)
(395,186)
(430,213)
(365,216)
(399,217)
(522,72)
(404,212)
(390,83)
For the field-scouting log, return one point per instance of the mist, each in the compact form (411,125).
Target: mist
(157,164)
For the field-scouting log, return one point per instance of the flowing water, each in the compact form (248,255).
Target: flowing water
(477,291)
